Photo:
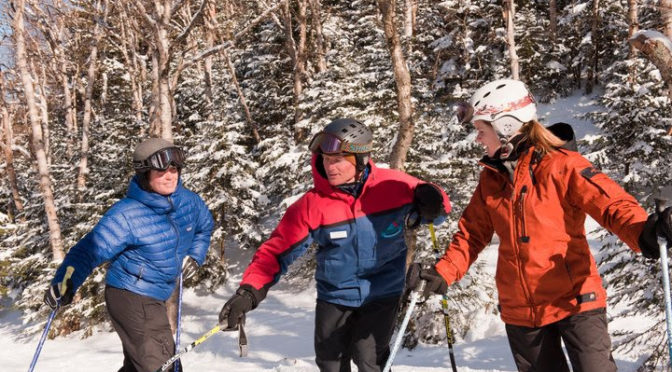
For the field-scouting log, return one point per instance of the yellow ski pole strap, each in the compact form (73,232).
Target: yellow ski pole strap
(435,245)
(63,286)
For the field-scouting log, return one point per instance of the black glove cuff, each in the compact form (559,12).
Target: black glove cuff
(429,201)
(648,239)
(255,295)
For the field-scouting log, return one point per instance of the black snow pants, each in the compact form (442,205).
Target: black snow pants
(361,334)
(142,325)
(585,336)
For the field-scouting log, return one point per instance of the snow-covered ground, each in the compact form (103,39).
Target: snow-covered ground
(280,336)
(280,331)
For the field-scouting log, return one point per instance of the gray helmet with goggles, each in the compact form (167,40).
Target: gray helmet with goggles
(345,136)
(157,154)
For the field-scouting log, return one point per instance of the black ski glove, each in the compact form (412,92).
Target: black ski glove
(245,299)
(434,281)
(658,224)
(53,296)
(189,268)
(428,201)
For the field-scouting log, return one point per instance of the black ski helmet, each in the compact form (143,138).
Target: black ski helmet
(352,137)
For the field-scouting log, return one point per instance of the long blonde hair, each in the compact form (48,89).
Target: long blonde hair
(543,139)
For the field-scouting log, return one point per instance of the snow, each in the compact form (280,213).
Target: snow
(280,330)
(571,110)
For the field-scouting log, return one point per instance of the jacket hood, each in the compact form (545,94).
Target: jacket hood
(159,203)
(565,132)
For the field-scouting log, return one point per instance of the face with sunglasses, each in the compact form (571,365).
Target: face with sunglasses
(163,169)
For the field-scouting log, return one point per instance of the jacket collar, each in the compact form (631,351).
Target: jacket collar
(563,131)
(159,203)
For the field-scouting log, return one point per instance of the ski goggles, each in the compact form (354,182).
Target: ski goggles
(328,143)
(162,159)
(465,111)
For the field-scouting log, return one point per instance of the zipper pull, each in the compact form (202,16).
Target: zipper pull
(524,238)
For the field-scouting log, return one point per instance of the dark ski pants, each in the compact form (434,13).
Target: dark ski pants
(586,339)
(361,333)
(142,325)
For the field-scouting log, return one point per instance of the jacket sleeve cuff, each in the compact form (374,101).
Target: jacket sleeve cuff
(257,295)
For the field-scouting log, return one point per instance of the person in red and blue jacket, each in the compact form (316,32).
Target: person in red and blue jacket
(356,213)
(157,231)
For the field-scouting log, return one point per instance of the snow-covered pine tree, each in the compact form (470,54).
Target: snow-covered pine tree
(632,148)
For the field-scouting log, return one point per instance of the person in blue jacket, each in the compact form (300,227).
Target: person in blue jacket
(157,231)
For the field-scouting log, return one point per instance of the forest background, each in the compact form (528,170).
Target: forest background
(242,85)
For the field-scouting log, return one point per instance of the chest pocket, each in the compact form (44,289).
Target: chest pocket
(336,256)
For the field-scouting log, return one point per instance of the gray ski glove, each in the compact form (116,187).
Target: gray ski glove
(189,268)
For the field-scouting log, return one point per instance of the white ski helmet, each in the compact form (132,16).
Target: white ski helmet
(506,104)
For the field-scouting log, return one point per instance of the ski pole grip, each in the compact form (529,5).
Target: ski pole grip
(64,283)
(663,199)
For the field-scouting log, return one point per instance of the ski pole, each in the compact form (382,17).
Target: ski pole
(402,329)
(187,349)
(179,318)
(242,343)
(444,306)
(665,269)
(64,287)
(44,336)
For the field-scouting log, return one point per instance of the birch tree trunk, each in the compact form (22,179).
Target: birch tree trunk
(300,67)
(410,10)
(402,78)
(553,21)
(665,7)
(241,97)
(290,44)
(633,27)
(320,45)
(591,78)
(44,110)
(64,78)
(163,10)
(83,169)
(9,145)
(210,31)
(129,52)
(55,238)
(9,158)
(509,13)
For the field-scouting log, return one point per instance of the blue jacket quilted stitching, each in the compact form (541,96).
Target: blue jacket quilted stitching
(145,236)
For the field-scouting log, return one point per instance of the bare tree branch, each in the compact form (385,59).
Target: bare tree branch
(196,18)
(238,35)
(143,12)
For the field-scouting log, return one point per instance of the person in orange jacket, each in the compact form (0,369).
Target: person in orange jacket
(534,192)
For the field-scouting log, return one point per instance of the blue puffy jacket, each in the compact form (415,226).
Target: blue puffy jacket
(145,236)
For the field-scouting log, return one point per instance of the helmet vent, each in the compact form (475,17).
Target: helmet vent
(486,94)
(500,86)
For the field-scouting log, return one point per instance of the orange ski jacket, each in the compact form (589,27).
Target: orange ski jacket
(545,271)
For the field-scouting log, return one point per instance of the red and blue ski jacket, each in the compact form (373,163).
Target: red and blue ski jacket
(362,252)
